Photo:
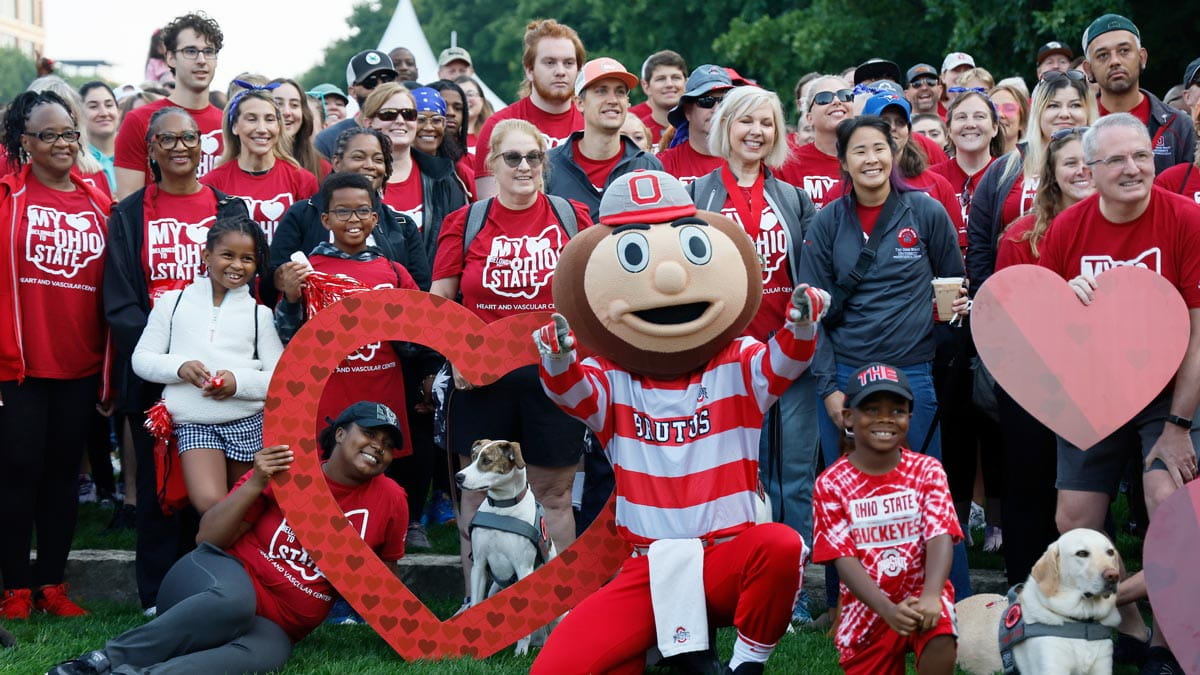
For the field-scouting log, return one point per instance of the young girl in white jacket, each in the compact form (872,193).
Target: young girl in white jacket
(215,348)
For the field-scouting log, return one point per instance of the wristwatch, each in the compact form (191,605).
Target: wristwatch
(1179,421)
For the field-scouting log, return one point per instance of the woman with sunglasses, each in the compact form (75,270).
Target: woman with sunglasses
(1013,108)
(814,167)
(498,279)
(1030,457)
(439,127)
(422,186)
(1006,190)
(53,370)
(156,236)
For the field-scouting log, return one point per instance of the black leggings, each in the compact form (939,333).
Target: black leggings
(206,623)
(1030,469)
(43,432)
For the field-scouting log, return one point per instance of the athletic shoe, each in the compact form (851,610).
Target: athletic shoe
(16,604)
(993,541)
(747,668)
(54,600)
(150,612)
(441,510)
(124,518)
(417,537)
(1160,661)
(977,518)
(801,615)
(87,489)
(343,614)
(91,663)
(466,604)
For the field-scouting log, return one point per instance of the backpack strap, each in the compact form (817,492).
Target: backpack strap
(1186,175)
(171,324)
(844,287)
(476,216)
(565,213)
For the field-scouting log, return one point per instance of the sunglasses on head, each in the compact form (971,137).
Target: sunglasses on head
(827,97)
(371,81)
(1063,133)
(390,114)
(1056,75)
(513,158)
(708,102)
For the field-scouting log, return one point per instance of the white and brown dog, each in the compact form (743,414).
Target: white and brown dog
(508,534)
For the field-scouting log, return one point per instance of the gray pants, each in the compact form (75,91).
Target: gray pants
(206,623)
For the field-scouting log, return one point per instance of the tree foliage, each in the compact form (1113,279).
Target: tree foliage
(368,20)
(16,72)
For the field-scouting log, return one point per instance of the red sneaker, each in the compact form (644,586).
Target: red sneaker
(54,600)
(16,603)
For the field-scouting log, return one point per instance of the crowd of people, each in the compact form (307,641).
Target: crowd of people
(153,232)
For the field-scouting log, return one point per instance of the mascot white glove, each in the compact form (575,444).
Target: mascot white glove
(554,339)
(809,305)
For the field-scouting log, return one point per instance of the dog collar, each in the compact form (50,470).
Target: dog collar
(1013,630)
(505,503)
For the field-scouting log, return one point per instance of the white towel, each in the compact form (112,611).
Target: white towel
(677,595)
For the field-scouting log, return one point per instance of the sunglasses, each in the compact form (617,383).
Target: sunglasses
(827,97)
(190,139)
(1056,75)
(533,157)
(923,82)
(390,114)
(47,136)
(373,80)
(1008,109)
(708,102)
(1063,133)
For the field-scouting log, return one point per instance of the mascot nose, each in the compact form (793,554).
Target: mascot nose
(670,277)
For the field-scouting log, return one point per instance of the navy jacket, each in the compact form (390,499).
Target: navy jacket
(565,179)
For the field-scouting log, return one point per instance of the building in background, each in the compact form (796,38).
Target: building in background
(22,26)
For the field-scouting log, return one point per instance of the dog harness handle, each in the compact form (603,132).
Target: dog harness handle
(1013,630)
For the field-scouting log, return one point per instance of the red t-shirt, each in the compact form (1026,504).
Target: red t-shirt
(964,186)
(1172,180)
(97,180)
(509,265)
(1019,199)
(646,114)
(683,162)
(1140,111)
(814,171)
(269,195)
(131,150)
(472,143)
(771,246)
(289,588)
(373,372)
(407,197)
(867,217)
(176,227)
(60,267)
(1013,249)
(883,521)
(467,175)
(597,170)
(555,128)
(934,153)
(1165,239)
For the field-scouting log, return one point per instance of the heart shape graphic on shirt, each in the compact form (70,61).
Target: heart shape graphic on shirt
(273,209)
(210,143)
(1083,371)
(483,353)
(79,222)
(198,232)
(1172,548)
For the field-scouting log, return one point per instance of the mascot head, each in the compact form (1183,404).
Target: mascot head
(657,286)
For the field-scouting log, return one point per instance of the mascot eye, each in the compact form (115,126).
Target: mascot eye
(633,251)
(695,244)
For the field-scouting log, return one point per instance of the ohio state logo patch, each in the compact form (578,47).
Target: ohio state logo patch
(907,237)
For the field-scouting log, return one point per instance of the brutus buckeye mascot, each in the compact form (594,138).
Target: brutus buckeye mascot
(660,293)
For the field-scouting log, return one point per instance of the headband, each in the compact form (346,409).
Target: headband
(246,87)
(429,100)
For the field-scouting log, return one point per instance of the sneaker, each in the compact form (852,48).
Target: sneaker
(343,614)
(87,489)
(747,668)
(16,604)
(53,600)
(441,510)
(150,612)
(993,540)
(91,663)
(1130,651)
(1160,661)
(466,604)
(124,518)
(417,537)
(977,518)
(801,615)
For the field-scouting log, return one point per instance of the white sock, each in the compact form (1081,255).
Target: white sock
(747,650)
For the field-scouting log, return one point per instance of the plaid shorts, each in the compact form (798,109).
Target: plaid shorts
(240,439)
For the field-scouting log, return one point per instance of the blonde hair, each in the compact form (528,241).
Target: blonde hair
(977,73)
(742,101)
(1043,93)
(503,130)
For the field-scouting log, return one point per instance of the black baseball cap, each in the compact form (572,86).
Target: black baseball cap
(1051,48)
(877,69)
(364,64)
(1191,74)
(371,415)
(874,378)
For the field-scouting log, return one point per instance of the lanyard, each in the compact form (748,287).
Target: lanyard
(750,213)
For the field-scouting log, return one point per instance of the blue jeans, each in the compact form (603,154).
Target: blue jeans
(920,378)
(791,427)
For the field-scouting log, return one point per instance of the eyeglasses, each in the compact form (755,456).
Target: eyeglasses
(345,215)
(923,82)
(1056,75)
(708,102)
(192,53)
(533,157)
(435,120)
(1063,133)
(1140,158)
(47,136)
(371,81)
(827,97)
(190,139)
(390,114)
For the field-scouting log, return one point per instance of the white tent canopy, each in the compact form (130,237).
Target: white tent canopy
(404,30)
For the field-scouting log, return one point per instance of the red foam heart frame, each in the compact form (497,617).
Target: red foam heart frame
(1172,548)
(1083,371)
(482,353)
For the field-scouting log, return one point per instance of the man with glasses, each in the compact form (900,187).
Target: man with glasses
(583,166)
(1130,222)
(688,158)
(365,71)
(1114,60)
(924,91)
(193,42)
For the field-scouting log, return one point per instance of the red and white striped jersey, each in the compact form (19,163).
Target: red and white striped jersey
(684,450)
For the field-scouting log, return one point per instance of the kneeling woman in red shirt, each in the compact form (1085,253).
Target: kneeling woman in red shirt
(238,602)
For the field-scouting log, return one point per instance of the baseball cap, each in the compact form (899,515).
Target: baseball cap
(886,86)
(1054,47)
(598,69)
(1191,74)
(876,69)
(1107,24)
(325,89)
(645,197)
(874,378)
(454,54)
(880,102)
(371,415)
(956,59)
(703,80)
(365,63)
(920,70)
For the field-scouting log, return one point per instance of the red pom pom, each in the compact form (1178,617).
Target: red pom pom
(216,383)
(158,421)
(322,289)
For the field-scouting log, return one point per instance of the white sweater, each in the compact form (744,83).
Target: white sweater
(222,338)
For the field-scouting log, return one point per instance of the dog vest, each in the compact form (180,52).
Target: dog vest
(1014,630)
(534,533)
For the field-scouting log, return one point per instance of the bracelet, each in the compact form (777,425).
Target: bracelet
(1179,421)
